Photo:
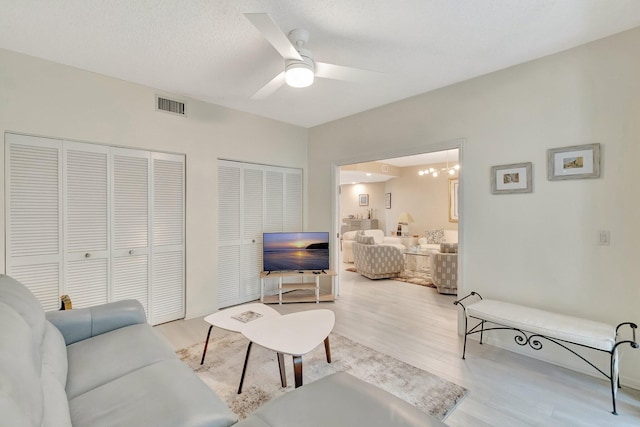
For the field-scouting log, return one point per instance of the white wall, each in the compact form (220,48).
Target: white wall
(43,98)
(539,248)
(426,198)
(350,202)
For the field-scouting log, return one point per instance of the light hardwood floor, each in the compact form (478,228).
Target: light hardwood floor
(417,325)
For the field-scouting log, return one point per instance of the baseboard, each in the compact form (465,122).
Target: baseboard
(563,359)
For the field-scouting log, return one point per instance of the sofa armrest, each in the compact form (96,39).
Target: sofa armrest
(79,324)
(391,240)
(350,235)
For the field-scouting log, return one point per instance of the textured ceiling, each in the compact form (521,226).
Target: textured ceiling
(424,159)
(208,50)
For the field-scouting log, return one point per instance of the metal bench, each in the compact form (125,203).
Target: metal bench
(532,325)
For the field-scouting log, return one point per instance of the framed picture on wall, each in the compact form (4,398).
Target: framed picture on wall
(453,199)
(509,179)
(577,162)
(387,200)
(363,199)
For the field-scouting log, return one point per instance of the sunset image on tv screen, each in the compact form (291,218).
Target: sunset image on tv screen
(296,251)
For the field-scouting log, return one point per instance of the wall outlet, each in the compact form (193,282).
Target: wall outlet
(604,237)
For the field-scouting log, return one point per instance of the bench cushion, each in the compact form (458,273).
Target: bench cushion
(568,328)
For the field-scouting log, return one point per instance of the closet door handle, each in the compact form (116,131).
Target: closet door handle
(87,255)
(131,252)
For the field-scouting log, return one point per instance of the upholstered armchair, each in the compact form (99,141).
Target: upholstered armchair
(378,237)
(376,261)
(444,268)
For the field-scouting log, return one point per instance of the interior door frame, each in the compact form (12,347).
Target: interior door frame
(458,143)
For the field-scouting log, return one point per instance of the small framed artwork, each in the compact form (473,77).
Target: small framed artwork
(509,179)
(363,199)
(453,199)
(577,162)
(387,200)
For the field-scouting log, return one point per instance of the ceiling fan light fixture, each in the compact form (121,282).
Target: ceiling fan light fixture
(299,74)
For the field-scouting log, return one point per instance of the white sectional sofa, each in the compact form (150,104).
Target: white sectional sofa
(378,237)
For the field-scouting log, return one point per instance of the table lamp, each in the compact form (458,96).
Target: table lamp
(403,223)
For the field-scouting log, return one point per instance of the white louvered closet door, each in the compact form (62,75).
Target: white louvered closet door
(293,201)
(130,225)
(86,223)
(34,240)
(240,225)
(252,199)
(274,199)
(282,205)
(252,226)
(229,206)
(168,237)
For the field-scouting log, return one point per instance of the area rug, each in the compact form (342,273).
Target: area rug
(420,277)
(225,357)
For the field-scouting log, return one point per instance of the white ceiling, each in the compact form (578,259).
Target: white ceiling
(207,49)
(425,159)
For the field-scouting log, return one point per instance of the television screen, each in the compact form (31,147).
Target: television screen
(295,251)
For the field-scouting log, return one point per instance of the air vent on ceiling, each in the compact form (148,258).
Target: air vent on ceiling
(170,106)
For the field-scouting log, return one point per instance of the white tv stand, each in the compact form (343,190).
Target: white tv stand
(285,288)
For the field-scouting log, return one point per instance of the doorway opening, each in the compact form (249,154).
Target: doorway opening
(413,200)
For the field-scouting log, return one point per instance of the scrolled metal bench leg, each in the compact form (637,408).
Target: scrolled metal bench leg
(613,390)
(466,324)
(466,334)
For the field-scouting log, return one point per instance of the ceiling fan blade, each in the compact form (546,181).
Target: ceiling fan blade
(276,83)
(339,72)
(274,35)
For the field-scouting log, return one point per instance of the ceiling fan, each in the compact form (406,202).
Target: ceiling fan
(300,67)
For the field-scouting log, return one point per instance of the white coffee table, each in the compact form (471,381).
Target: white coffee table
(223,319)
(295,334)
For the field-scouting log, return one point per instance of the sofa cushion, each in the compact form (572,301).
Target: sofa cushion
(364,239)
(80,324)
(339,400)
(164,394)
(21,401)
(435,236)
(378,235)
(56,405)
(103,358)
(576,330)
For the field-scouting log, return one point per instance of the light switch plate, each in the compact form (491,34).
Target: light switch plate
(604,237)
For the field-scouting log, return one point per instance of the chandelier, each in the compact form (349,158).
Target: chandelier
(436,172)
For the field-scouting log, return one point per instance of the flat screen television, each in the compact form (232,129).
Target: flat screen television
(295,251)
